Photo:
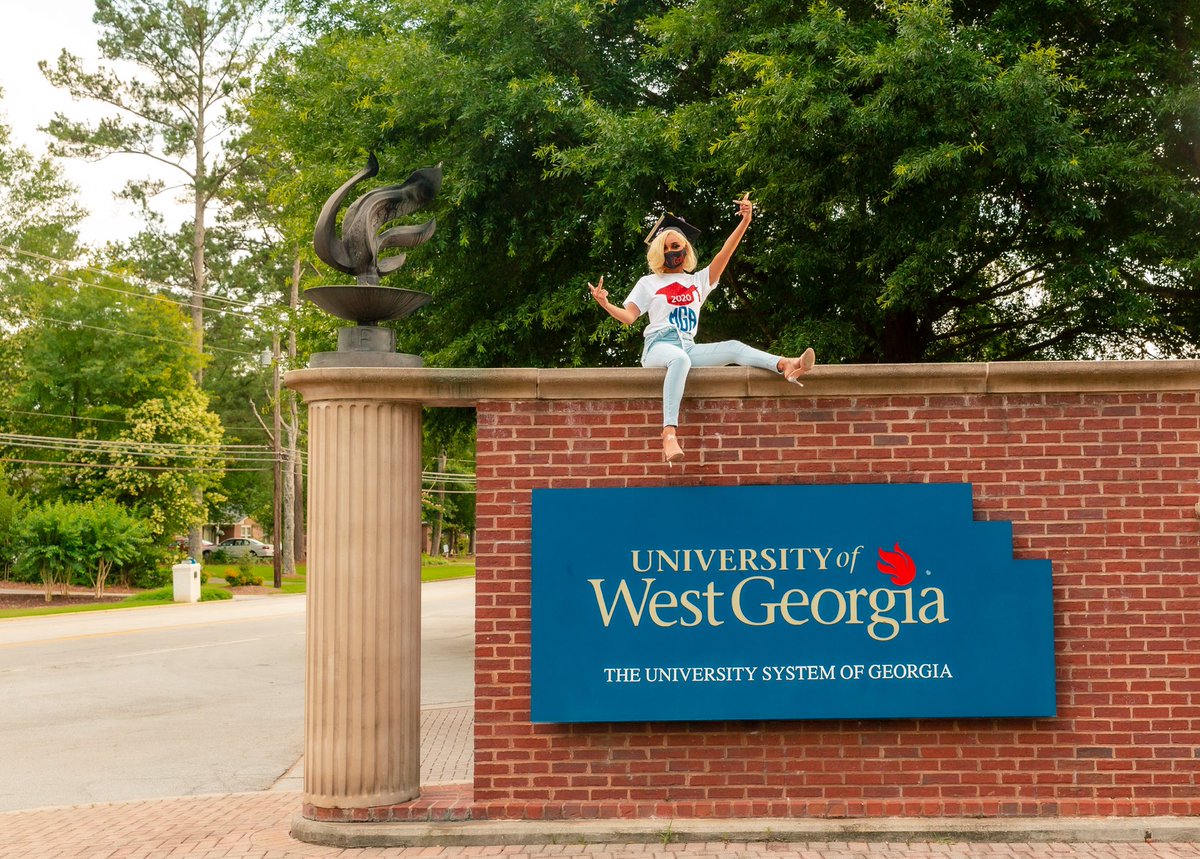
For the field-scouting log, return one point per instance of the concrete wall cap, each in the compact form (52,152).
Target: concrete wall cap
(434,386)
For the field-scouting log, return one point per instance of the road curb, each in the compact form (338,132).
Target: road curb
(471,833)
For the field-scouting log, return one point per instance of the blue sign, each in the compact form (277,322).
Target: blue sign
(783,602)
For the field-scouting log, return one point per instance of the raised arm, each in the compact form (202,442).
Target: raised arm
(624,315)
(717,266)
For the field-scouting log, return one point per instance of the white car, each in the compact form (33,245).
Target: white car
(240,547)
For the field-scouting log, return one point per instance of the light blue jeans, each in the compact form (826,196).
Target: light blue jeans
(666,349)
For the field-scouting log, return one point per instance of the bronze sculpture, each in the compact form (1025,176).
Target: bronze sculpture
(356,252)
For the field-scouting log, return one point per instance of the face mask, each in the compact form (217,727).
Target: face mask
(674,259)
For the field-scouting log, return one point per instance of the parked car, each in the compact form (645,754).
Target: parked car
(241,547)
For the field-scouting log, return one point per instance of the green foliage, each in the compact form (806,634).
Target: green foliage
(50,545)
(111,537)
(167,594)
(109,373)
(242,576)
(62,544)
(938,181)
(167,499)
(38,217)
(192,62)
(194,58)
(151,577)
(12,512)
(234,378)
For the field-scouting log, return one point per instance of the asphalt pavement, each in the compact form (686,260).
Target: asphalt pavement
(195,699)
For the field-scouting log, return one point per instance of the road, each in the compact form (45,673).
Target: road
(180,700)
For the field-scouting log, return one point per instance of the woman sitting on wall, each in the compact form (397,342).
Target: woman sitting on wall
(672,297)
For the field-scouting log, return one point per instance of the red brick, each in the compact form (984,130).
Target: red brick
(1102,484)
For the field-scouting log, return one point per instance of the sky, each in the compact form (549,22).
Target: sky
(39,31)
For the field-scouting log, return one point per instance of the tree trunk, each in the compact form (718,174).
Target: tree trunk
(102,569)
(903,342)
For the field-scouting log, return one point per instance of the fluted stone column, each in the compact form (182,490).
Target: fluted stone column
(362,737)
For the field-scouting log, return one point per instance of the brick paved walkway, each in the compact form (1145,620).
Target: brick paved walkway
(255,826)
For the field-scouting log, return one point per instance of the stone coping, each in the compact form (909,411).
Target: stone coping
(663,830)
(433,386)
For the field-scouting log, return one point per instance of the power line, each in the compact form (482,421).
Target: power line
(67,417)
(143,336)
(448,477)
(151,296)
(183,450)
(101,420)
(123,467)
(200,457)
(157,445)
(145,280)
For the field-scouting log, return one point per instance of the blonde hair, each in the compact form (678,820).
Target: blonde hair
(656,259)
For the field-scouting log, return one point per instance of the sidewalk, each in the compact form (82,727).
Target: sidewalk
(256,825)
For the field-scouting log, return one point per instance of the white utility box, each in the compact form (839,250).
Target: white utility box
(186,579)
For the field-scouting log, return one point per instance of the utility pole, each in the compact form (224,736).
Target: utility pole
(277,462)
(441,491)
(293,445)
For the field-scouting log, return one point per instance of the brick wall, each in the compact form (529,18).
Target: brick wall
(1103,484)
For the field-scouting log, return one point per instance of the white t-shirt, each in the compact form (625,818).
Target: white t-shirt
(672,301)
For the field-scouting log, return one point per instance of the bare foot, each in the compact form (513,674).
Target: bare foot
(671,449)
(794,368)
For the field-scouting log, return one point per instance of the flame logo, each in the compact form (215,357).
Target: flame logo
(897,564)
(677,294)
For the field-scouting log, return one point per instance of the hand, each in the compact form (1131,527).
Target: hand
(599,292)
(745,208)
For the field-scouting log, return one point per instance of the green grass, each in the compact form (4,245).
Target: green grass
(432,570)
(167,594)
(446,571)
(57,608)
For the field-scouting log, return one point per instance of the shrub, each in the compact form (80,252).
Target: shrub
(241,577)
(207,594)
(150,568)
(155,577)
(51,545)
(111,537)
(218,556)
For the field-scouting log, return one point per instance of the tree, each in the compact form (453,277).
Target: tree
(194,60)
(94,347)
(939,181)
(178,451)
(110,536)
(234,376)
(51,545)
(12,512)
(106,398)
(38,217)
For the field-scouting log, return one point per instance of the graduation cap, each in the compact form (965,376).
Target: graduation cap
(671,222)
